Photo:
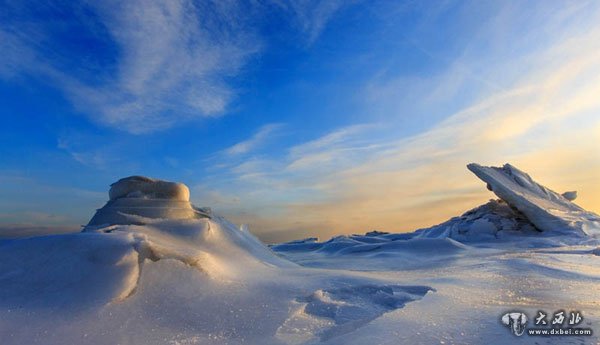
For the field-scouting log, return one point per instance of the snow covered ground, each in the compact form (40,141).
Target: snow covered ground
(151,268)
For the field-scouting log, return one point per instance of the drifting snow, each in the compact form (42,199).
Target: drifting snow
(391,250)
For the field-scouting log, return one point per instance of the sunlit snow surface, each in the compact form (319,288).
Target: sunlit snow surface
(198,279)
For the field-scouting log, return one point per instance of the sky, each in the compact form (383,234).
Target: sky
(299,118)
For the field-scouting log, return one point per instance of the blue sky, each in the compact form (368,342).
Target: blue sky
(297,117)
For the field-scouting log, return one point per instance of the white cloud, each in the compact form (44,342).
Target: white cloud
(90,158)
(174,62)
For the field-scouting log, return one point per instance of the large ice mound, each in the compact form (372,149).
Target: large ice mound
(145,220)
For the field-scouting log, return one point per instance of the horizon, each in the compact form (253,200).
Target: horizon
(298,119)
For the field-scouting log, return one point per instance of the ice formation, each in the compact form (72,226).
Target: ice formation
(135,198)
(546,209)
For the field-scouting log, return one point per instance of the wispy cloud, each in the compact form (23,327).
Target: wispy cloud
(312,15)
(172,64)
(94,151)
(92,158)
(258,139)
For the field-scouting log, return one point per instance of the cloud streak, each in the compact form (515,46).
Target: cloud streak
(258,139)
(311,16)
(175,58)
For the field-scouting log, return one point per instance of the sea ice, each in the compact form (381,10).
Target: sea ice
(151,268)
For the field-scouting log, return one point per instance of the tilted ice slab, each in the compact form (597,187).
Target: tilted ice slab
(547,210)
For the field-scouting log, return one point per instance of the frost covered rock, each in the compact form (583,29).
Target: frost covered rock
(546,209)
(136,199)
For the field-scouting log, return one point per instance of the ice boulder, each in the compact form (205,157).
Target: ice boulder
(137,199)
(549,211)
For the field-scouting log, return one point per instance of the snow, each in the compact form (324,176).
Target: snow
(150,268)
(352,307)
